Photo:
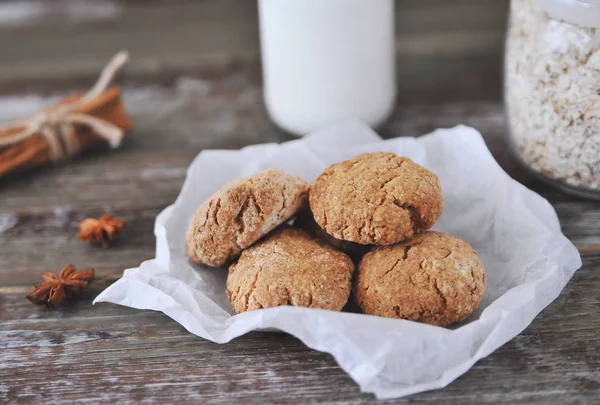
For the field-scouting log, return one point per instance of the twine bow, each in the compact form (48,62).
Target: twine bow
(58,125)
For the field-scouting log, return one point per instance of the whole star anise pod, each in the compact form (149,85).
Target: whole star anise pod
(55,290)
(101,231)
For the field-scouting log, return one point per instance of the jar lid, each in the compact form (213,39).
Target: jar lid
(585,13)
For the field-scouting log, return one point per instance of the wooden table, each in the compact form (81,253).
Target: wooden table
(107,353)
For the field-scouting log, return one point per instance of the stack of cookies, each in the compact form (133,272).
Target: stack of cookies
(373,210)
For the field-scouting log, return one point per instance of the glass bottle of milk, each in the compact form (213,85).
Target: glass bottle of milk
(327,60)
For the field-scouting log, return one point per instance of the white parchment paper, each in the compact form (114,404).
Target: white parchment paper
(516,232)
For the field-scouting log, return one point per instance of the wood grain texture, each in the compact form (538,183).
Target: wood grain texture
(439,44)
(182,102)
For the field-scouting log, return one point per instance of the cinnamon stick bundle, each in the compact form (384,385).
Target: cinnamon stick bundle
(77,123)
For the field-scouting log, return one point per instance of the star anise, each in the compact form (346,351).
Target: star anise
(101,231)
(55,290)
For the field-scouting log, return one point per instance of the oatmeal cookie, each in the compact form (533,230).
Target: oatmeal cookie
(376,198)
(433,278)
(290,268)
(241,213)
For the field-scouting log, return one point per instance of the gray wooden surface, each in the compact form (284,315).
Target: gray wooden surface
(182,102)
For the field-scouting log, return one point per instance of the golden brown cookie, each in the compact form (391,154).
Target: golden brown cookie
(241,213)
(376,198)
(290,268)
(306,222)
(433,278)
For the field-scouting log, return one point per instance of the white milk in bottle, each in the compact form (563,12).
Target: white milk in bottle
(327,60)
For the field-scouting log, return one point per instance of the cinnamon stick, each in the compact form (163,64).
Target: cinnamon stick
(76,124)
(34,151)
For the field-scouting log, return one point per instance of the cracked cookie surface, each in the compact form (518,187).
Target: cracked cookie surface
(376,198)
(433,278)
(290,268)
(305,221)
(241,213)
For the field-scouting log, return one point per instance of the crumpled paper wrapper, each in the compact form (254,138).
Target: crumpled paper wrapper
(516,232)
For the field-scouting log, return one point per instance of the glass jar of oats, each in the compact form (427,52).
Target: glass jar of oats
(552,91)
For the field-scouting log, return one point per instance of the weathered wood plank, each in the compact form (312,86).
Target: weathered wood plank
(54,41)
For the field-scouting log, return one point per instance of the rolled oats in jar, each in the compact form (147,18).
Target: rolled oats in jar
(552,90)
